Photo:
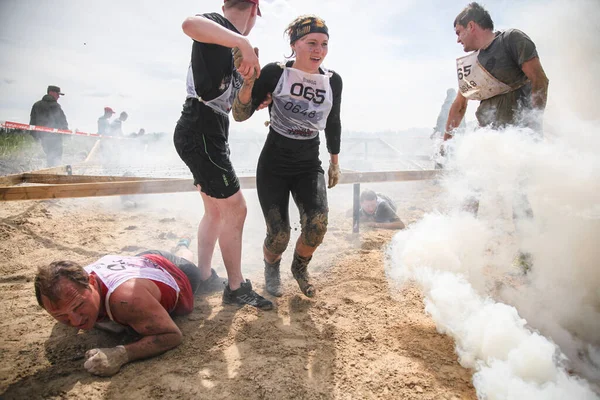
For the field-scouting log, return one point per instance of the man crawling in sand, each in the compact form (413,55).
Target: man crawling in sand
(141,292)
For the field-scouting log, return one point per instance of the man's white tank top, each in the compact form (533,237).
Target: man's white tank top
(115,270)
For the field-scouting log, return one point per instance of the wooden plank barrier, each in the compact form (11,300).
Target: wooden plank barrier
(27,186)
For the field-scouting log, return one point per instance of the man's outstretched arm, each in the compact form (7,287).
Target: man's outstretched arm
(204,30)
(539,82)
(135,303)
(456,114)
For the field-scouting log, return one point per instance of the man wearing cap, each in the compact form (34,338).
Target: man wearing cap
(202,132)
(47,112)
(103,121)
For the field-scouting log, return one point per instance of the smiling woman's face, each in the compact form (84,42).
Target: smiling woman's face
(78,306)
(310,51)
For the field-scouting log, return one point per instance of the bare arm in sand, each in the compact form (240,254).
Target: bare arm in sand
(136,303)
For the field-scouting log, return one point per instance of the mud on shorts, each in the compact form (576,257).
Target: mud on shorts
(200,139)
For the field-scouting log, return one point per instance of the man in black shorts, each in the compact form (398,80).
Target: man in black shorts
(379,211)
(502,71)
(202,133)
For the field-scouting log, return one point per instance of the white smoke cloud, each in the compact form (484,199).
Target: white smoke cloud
(461,261)
(444,254)
(527,336)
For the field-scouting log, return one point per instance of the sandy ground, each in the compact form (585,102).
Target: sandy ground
(356,339)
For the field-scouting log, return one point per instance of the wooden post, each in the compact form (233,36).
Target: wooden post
(356,209)
(92,152)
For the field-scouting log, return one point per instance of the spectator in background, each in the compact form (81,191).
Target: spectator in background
(47,112)
(103,121)
(116,127)
(140,133)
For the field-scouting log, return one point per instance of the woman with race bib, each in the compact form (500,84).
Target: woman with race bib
(305,99)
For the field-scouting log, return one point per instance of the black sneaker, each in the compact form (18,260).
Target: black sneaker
(213,284)
(245,295)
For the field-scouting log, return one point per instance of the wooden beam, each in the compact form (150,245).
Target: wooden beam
(16,179)
(68,190)
(356,208)
(38,192)
(170,185)
(388,176)
(62,169)
(8,180)
(63,179)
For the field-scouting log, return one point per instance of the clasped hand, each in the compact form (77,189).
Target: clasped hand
(249,69)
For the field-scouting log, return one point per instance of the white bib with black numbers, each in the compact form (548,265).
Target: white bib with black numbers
(476,83)
(114,270)
(222,103)
(301,103)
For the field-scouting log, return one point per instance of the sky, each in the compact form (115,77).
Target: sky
(396,57)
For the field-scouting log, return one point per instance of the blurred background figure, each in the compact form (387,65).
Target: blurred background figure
(379,211)
(440,125)
(103,121)
(140,133)
(47,112)
(116,127)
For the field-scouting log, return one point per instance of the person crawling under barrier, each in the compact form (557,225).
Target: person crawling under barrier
(142,292)
(379,211)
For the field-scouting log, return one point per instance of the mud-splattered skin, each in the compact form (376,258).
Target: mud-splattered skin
(314,227)
(278,232)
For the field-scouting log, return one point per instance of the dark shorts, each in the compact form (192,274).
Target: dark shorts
(189,268)
(200,139)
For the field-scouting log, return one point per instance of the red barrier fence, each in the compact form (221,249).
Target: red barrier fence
(27,127)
